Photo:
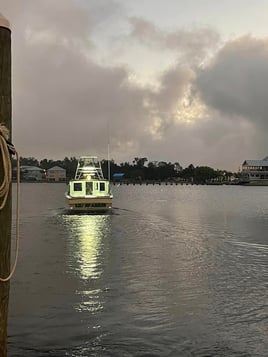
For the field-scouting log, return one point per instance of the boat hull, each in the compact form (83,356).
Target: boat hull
(89,204)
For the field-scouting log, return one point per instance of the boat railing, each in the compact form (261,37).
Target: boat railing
(88,167)
(89,174)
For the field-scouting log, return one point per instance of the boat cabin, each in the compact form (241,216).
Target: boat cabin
(84,188)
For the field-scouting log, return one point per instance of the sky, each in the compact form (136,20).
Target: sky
(170,80)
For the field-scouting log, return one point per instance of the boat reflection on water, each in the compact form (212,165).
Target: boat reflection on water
(87,240)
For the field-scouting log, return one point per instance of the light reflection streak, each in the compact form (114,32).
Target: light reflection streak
(86,233)
(86,239)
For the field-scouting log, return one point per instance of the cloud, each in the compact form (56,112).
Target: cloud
(194,43)
(236,81)
(73,100)
(63,98)
(234,86)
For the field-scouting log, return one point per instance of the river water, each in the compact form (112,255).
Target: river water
(173,271)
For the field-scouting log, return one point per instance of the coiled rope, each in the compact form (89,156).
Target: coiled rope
(6,149)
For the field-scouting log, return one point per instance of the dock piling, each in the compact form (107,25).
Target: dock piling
(5,213)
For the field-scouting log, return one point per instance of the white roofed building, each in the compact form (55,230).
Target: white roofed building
(255,172)
(32,173)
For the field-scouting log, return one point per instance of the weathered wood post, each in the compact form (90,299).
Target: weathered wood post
(5,213)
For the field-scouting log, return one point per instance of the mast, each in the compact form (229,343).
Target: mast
(108,153)
(109,166)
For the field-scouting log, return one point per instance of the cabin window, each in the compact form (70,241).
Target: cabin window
(97,186)
(78,186)
(102,186)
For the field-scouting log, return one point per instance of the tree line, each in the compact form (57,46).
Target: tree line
(139,169)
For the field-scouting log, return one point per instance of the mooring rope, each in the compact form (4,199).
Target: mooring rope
(6,149)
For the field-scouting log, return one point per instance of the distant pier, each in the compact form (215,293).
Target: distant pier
(170,183)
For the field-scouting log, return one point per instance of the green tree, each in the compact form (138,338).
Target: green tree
(140,161)
(203,174)
(29,161)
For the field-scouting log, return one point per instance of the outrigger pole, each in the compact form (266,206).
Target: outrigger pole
(5,212)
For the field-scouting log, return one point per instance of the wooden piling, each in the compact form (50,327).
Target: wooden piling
(5,213)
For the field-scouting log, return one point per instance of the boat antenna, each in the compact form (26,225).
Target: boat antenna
(108,153)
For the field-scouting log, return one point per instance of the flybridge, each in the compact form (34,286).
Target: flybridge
(88,167)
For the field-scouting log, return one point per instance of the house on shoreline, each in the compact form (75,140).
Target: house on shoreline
(32,173)
(255,172)
(56,174)
(37,174)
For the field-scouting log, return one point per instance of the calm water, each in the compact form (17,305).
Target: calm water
(174,271)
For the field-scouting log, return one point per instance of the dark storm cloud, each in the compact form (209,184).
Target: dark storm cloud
(236,81)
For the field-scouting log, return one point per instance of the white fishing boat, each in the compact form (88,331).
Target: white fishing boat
(89,191)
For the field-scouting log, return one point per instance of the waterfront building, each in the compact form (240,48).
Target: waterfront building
(56,174)
(31,173)
(255,172)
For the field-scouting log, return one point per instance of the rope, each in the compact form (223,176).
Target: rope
(6,148)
